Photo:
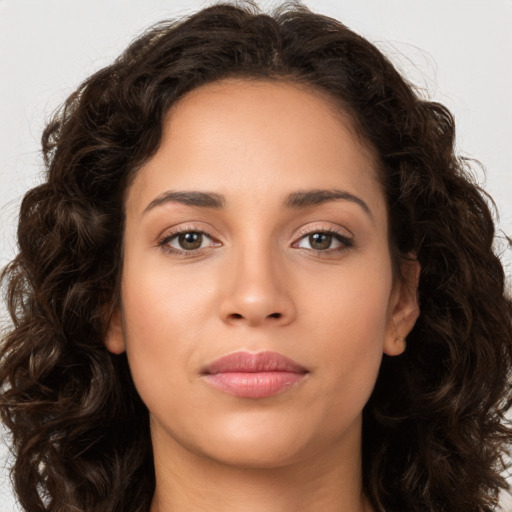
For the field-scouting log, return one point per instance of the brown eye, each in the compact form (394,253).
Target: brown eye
(190,241)
(187,241)
(320,241)
(324,241)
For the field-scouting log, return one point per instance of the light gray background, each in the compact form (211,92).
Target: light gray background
(458,50)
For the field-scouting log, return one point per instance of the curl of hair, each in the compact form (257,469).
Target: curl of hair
(434,432)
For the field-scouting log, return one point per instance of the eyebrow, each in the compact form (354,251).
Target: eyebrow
(307,198)
(192,198)
(295,200)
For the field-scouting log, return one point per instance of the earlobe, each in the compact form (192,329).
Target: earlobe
(404,308)
(114,338)
(395,346)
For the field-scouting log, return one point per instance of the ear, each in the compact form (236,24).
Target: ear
(114,338)
(403,307)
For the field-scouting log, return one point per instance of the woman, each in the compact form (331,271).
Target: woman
(257,277)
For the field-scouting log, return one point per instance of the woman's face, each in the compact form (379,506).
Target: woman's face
(259,226)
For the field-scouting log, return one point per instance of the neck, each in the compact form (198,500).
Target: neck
(187,482)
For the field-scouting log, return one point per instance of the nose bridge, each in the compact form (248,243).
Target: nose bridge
(258,290)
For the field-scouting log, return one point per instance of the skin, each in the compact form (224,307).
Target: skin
(259,282)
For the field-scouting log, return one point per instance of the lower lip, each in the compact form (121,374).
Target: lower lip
(254,385)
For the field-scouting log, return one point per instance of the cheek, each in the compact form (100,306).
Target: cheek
(160,302)
(165,317)
(350,316)
(351,301)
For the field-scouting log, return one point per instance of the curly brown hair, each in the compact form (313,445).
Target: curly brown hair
(434,430)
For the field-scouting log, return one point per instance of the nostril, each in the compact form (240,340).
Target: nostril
(239,316)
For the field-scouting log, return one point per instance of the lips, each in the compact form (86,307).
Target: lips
(249,375)
(246,362)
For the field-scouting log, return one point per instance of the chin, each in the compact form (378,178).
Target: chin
(262,445)
(256,455)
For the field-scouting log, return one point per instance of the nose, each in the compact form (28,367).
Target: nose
(256,291)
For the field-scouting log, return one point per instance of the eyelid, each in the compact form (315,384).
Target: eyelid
(174,231)
(325,227)
(185,227)
(343,235)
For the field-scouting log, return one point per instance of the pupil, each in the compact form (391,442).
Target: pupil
(320,240)
(190,241)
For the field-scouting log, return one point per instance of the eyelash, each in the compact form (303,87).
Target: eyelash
(164,241)
(345,241)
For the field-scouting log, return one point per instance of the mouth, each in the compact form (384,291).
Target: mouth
(254,375)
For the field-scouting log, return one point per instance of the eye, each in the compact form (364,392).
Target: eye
(187,241)
(324,241)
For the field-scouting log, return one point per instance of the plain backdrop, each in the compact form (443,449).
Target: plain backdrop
(458,51)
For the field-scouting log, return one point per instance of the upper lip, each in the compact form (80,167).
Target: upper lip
(247,362)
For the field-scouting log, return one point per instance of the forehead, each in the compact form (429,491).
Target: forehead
(258,137)
(266,103)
